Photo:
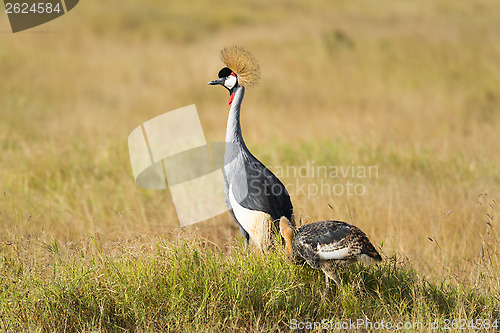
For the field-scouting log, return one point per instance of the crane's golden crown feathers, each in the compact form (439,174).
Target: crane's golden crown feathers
(243,64)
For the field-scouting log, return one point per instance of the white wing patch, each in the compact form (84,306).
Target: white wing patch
(256,223)
(338,254)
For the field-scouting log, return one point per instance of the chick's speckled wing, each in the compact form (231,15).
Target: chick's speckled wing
(327,240)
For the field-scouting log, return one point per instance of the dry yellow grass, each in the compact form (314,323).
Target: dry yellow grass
(410,88)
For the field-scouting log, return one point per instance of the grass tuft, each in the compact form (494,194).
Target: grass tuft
(192,285)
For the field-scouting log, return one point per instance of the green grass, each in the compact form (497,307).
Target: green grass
(195,286)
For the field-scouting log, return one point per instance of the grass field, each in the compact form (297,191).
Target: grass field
(408,89)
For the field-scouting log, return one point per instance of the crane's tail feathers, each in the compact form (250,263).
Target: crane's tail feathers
(369,254)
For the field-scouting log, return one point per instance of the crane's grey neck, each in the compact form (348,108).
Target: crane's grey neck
(233,132)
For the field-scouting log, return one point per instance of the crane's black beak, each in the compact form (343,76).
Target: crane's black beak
(218,81)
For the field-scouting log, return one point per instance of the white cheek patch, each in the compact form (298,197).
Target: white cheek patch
(230,81)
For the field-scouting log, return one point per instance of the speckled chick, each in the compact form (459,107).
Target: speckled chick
(327,245)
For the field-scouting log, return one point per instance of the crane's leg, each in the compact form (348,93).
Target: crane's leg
(247,240)
(327,289)
(331,274)
(335,279)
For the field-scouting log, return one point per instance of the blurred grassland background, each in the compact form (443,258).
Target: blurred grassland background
(409,87)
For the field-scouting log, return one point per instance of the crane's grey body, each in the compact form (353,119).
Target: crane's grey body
(254,195)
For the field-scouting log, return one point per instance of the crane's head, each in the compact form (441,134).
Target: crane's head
(241,70)
(227,79)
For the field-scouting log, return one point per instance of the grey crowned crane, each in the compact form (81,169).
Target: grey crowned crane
(256,198)
(327,245)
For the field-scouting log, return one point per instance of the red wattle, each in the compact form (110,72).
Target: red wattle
(231,97)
